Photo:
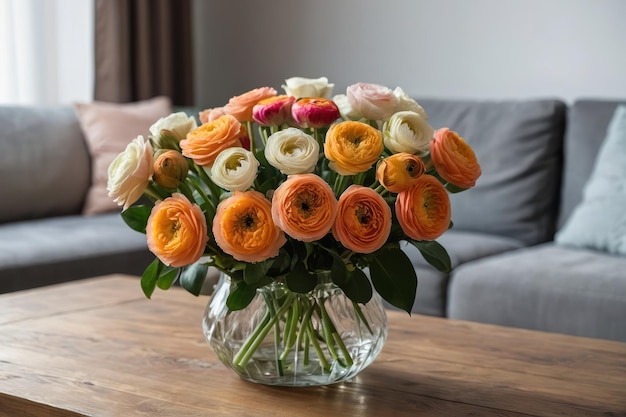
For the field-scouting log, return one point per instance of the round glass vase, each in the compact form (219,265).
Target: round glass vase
(290,339)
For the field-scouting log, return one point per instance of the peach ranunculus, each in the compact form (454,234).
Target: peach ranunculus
(273,111)
(352,147)
(454,159)
(363,220)
(243,227)
(373,101)
(423,210)
(207,141)
(170,168)
(397,172)
(304,206)
(241,106)
(208,115)
(315,112)
(177,231)
(129,173)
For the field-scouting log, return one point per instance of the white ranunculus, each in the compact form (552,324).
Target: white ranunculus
(292,151)
(308,87)
(234,169)
(345,109)
(178,123)
(130,172)
(407,131)
(406,103)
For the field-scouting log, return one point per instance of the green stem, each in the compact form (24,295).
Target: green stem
(316,346)
(302,334)
(361,316)
(289,339)
(204,196)
(250,129)
(261,328)
(327,332)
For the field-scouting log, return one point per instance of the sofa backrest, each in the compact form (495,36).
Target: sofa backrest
(44,163)
(519,147)
(587,123)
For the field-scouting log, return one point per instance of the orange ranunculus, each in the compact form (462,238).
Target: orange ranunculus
(397,172)
(352,147)
(170,168)
(241,106)
(423,210)
(177,231)
(363,221)
(454,159)
(243,227)
(204,143)
(304,206)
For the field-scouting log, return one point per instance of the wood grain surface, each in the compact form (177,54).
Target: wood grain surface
(97,347)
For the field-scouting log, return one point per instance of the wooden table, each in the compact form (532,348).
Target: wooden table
(97,347)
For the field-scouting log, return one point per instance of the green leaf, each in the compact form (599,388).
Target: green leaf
(453,189)
(167,277)
(193,276)
(241,296)
(300,280)
(357,287)
(149,277)
(434,254)
(394,277)
(255,271)
(136,217)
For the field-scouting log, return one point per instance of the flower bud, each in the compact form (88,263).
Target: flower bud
(315,112)
(397,172)
(170,169)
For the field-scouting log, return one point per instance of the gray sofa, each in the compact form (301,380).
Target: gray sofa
(536,156)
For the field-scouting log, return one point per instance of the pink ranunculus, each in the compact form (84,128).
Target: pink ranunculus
(363,221)
(273,111)
(315,112)
(209,115)
(373,101)
(241,106)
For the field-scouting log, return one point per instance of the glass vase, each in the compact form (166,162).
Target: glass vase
(290,339)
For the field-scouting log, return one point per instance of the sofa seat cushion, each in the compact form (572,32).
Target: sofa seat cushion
(462,247)
(518,144)
(546,287)
(57,249)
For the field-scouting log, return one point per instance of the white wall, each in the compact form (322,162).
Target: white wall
(488,49)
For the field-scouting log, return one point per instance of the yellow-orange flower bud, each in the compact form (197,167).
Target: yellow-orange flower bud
(399,171)
(170,169)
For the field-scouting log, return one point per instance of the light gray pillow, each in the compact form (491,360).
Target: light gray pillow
(599,221)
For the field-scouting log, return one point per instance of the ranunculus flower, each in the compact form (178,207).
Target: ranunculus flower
(423,210)
(304,207)
(273,111)
(208,115)
(314,112)
(243,227)
(234,169)
(407,131)
(170,169)
(363,221)
(397,172)
(300,87)
(345,109)
(179,124)
(177,231)
(207,141)
(241,106)
(292,151)
(454,159)
(373,101)
(406,103)
(352,147)
(130,172)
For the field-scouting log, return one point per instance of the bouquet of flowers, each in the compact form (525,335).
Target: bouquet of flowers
(282,188)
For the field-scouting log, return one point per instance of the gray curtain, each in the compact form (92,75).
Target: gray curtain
(143,48)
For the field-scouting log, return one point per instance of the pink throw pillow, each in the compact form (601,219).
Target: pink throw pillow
(108,128)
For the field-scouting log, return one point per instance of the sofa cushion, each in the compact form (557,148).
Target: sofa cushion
(599,221)
(46,251)
(462,247)
(44,163)
(546,287)
(519,147)
(108,129)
